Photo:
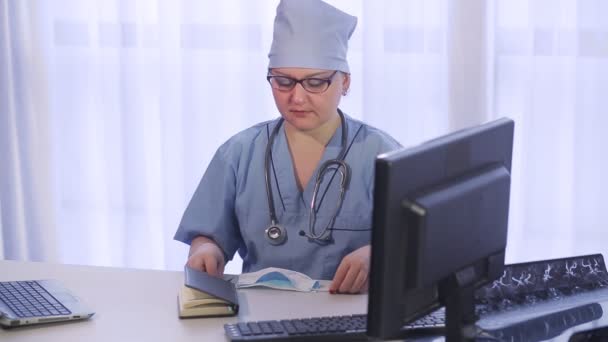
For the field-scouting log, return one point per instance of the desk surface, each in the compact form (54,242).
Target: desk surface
(141,305)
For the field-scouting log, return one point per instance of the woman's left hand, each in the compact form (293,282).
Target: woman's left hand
(352,275)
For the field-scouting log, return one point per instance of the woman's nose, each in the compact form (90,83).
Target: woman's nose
(298,94)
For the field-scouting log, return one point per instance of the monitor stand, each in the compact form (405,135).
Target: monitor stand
(457,293)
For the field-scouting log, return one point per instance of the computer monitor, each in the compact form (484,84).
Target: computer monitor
(440,222)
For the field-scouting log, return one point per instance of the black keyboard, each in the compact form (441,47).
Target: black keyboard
(29,299)
(333,328)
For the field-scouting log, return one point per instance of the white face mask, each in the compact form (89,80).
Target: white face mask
(281,279)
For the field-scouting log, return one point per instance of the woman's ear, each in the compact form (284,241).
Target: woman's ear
(345,83)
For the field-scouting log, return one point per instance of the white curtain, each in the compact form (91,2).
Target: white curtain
(551,74)
(111,110)
(28,225)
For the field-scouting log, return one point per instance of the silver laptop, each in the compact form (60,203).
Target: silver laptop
(39,301)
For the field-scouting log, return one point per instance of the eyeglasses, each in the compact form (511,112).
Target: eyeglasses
(313,85)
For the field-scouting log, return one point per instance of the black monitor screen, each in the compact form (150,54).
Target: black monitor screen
(440,213)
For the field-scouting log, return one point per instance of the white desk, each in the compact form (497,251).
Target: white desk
(141,305)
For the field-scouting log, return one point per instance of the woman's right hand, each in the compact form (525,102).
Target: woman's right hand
(205,255)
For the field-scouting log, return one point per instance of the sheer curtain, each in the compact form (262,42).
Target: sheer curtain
(27,227)
(111,110)
(551,71)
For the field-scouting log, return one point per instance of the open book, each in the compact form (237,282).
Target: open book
(205,296)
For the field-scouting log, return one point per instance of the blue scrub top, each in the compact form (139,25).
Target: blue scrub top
(230,204)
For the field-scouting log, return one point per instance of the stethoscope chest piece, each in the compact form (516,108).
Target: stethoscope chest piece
(276,234)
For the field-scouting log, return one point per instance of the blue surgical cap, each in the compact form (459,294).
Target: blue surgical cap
(310,34)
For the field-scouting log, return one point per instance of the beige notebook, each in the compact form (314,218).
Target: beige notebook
(204,296)
(194,303)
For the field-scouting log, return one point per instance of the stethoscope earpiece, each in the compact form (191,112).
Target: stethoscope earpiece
(323,239)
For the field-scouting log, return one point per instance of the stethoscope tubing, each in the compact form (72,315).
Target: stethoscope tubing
(275,233)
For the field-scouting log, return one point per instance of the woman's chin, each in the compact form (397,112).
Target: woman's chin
(303,123)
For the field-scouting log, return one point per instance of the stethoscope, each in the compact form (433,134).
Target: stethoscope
(276,233)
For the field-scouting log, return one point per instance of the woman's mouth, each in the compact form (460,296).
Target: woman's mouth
(300,113)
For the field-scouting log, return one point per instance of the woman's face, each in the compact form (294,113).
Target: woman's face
(303,109)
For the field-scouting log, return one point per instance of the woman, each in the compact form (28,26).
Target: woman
(295,192)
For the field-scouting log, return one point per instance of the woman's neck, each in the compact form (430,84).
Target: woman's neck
(320,135)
